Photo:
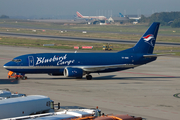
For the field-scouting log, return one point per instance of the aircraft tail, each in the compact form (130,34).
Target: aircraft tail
(121,15)
(147,42)
(79,14)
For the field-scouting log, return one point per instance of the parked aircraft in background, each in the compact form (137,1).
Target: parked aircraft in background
(79,64)
(91,17)
(132,17)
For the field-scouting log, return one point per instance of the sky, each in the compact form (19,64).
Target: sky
(56,8)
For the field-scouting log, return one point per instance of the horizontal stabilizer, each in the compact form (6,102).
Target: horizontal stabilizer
(156,55)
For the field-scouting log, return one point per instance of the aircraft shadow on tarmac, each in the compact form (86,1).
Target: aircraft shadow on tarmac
(109,77)
(112,77)
(9,81)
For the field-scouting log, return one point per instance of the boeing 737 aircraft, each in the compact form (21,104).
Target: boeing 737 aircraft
(79,64)
(91,17)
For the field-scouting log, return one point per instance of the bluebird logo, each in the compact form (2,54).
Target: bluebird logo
(148,39)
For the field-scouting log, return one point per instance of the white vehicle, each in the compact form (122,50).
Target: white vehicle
(5,94)
(64,114)
(23,106)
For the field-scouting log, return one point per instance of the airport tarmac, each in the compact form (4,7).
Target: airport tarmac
(146,91)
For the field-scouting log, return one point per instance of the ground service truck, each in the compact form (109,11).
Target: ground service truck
(23,106)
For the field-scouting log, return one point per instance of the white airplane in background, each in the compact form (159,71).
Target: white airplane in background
(91,17)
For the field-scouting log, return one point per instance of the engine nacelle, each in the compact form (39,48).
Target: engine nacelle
(73,72)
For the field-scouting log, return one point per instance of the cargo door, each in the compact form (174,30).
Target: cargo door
(31,60)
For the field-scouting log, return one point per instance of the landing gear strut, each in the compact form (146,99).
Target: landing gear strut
(88,77)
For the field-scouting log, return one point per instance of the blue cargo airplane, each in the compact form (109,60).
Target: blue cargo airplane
(79,64)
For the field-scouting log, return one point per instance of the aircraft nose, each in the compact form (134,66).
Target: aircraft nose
(7,65)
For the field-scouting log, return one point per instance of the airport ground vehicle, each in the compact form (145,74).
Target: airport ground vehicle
(12,74)
(76,114)
(107,47)
(39,107)
(23,106)
(6,94)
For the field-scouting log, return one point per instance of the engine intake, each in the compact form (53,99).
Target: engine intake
(73,72)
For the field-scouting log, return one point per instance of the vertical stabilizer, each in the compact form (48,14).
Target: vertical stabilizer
(147,42)
(79,14)
(121,15)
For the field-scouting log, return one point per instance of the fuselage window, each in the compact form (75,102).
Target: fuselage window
(16,60)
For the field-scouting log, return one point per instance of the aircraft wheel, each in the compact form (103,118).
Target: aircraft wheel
(8,76)
(89,77)
(24,77)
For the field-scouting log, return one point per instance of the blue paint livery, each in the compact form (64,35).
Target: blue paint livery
(79,64)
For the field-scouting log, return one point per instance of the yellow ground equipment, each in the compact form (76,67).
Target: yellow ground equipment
(107,47)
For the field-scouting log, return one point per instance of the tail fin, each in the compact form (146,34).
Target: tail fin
(79,14)
(121,15)
(147,42)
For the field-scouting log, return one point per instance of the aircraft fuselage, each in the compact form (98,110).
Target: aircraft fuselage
(56,62)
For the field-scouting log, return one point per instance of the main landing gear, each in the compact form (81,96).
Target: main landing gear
(88,77)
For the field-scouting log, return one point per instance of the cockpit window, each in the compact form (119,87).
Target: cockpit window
(16,60)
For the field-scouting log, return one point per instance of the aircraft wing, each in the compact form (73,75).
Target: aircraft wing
(104,67)
(156,55)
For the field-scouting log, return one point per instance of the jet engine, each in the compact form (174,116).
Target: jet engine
(73,72)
